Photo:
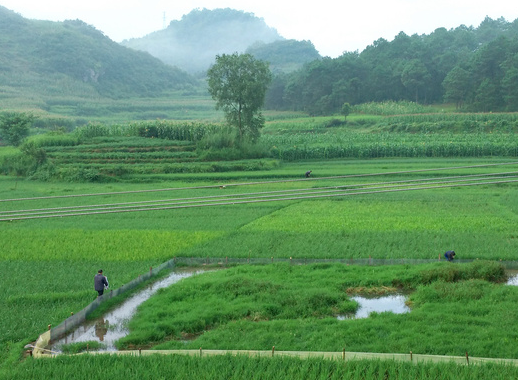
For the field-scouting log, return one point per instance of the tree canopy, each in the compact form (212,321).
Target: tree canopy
(14,127)
(476,68)
(238,84)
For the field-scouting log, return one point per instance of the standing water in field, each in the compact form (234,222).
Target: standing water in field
(113,325)
(513,279)
(393,303)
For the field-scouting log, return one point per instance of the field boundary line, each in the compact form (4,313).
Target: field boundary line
(332,355)
(258,182)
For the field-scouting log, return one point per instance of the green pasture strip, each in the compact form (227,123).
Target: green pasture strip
(117,245)
(53,290)
(294,308)
(240,367)
(415,225)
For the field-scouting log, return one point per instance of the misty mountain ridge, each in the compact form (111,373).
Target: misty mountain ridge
(73,58)
(193,42)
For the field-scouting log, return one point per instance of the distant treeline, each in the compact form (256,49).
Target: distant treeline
(475,68)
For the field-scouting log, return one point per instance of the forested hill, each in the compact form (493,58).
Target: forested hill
(475,68)
(193,42)
(73,58)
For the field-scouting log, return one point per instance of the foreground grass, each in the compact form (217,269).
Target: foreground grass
(61,255)
(230,367)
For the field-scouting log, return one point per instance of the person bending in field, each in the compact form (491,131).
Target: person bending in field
(449,255)
(308,173)
(100,282)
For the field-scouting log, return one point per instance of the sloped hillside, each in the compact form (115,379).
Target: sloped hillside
(193,42)
(74,58)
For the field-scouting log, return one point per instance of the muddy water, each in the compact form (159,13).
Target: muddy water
(394,303)
(113,325)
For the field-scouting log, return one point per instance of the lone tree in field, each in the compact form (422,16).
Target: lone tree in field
(238,84)
(346,110)
(14,126)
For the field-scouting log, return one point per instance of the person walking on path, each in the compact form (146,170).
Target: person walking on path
(100,282)
(449,255)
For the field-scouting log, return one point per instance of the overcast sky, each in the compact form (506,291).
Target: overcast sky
(333,26)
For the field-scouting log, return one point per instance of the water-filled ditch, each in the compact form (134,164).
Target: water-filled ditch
(113,325)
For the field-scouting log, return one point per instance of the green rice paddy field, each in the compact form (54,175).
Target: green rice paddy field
(48,265)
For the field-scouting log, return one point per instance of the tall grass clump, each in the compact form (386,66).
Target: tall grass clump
(53,139)
(392,108)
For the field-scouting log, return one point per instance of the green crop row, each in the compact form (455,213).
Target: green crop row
(162,129)
(230,367)
(361,145)
(393,108)
(119,170)
(134,156)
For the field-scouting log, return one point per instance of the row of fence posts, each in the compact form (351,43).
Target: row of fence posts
(207,260)
(343,354)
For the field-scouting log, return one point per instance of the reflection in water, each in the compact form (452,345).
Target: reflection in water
(394,304)
(101,328)
(113,325)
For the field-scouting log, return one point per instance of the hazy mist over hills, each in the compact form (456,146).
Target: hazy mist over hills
(193,42)
(72,58)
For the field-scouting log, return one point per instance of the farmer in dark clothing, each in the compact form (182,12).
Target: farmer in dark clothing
(100,282)
(308,173)
(449,255)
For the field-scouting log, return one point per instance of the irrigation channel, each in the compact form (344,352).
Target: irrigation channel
(113,325)
(256,197)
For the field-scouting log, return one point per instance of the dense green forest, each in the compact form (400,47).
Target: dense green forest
(284,56)
(475,68)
